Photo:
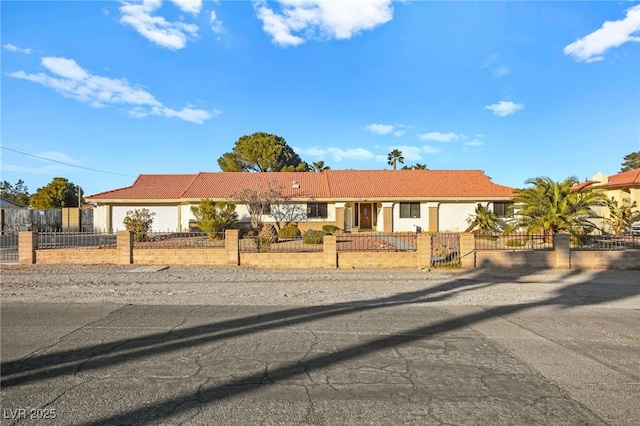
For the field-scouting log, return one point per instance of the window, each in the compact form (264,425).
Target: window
(409,210)
(501,209)
(316,210)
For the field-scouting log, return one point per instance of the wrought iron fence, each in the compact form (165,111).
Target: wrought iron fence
(176,240)
(445,250)
(266,244)
(9,248)
(605,242)
(513,241)
(376,241)
(55,240)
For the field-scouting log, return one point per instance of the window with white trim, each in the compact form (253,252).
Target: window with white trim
(409,210)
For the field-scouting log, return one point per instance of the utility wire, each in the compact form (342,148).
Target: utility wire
(62,162)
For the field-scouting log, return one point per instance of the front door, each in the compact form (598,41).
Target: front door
(365,216)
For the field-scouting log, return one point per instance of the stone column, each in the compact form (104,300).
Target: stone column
(124,246)
(330,252)
(562,249)
(232,246)
(467,251)
(387,217)
(340,209)
(27,245)
(433,224)
(423,247)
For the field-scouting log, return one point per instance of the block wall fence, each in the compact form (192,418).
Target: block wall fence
(560,257)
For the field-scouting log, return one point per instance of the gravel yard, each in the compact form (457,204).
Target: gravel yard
(243,286)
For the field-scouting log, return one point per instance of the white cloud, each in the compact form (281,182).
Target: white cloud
(501,71)
(67,68)
(474,142)
(591,47)
(197,116)
(504,108)
(11,48)
(359,154)
(172,35)
(338,154)
(380,129)
(439,137)
(189,6)
(216,24)
(396,130)
(301,20)
(72,81)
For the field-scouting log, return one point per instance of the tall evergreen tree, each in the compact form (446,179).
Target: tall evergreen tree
(631,161)
(262,152)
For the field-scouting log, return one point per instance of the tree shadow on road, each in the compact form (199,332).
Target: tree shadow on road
(583,289)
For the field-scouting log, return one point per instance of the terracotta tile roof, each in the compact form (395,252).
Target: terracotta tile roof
(413,183)
(331,184)
(226,185)
(149,187)
(628,178)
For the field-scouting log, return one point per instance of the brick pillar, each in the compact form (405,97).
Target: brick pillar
(124,246)
(387,216)
(467,250)
(340,223)
(27,245)
(423,247)
(562,249)
(232,246)
(330,252)
(433,219)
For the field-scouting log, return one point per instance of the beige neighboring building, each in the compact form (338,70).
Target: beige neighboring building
(623,187)
(352,200)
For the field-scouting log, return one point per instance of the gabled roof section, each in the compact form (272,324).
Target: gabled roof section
(624,179)
(226,185)
(149,187)
(413,184)
(330,184)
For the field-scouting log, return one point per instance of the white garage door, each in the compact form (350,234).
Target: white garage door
(165,218)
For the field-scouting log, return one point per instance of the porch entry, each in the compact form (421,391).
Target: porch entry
(365,215)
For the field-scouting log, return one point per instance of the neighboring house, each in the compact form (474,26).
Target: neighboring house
(8,204)
(623,187)
(353,200)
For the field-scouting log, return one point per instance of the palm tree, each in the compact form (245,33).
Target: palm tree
(554,207)
(621,217)
(395,157)
(319,166)
(483,218)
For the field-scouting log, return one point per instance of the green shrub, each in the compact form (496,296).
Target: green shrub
(515,243)
(313,237)
(289,231)
(263,243)
(330,229)
(214,217)
(139,222)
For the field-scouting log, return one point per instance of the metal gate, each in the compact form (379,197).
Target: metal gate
(9,248)
(445,250)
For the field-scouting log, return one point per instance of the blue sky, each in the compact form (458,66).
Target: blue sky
(109,90)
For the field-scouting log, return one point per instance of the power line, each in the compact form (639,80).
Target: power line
(62,162)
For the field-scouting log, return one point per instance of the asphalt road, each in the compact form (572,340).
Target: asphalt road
(383,362)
